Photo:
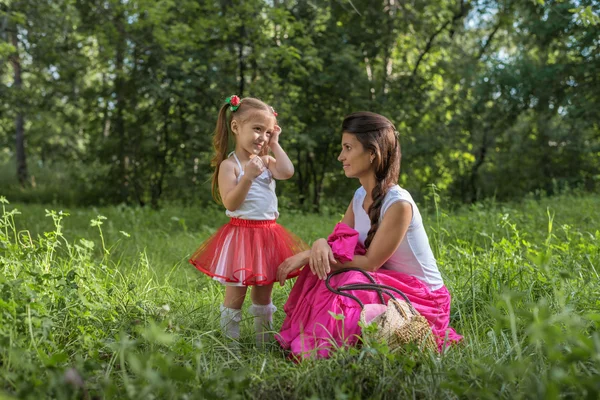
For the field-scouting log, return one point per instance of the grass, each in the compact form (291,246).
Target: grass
(102,303)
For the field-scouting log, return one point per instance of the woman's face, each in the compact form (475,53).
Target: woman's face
(355,159)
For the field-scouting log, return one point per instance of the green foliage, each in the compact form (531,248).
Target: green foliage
(102,302)
(491,98)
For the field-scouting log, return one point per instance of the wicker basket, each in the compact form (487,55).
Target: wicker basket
(400,324)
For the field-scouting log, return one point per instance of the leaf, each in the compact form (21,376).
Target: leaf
(337,317)
(55,359)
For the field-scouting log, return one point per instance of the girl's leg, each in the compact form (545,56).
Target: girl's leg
(262,309)
(231,310)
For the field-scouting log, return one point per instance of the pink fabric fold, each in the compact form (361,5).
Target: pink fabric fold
(318,320)
(344,243)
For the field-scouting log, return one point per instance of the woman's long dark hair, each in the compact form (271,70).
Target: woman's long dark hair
(378,135)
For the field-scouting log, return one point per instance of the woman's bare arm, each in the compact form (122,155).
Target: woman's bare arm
(390,234)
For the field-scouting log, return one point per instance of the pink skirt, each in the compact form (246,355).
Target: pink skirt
(313,322)
(247,252)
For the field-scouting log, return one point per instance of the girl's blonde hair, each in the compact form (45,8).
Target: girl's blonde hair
(247,107)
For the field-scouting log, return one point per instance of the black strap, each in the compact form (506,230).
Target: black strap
(379,288)
(339,290)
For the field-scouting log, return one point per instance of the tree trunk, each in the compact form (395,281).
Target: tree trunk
(123,159)
(389,44)
(20,119)
(300,178)
(161,161)
(241,62)
(479,160)
(313,175)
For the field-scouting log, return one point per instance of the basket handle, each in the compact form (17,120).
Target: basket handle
(385,289)
(338,290)
(379,288)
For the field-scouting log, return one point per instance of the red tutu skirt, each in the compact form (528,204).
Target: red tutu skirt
(247,252)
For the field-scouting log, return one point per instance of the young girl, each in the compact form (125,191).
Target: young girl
(247,250)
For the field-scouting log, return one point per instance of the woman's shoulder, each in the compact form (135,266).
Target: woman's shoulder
(394,195)
(398,193)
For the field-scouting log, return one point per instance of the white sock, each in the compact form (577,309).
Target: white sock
(263,321)
(230,322)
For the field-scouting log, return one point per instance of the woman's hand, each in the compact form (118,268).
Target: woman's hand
(321,257)
(291,264)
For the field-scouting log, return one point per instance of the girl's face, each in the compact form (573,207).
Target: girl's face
(253,134)
(355,159)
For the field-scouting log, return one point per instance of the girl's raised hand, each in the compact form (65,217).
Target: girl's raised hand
(254,167)
(275,135)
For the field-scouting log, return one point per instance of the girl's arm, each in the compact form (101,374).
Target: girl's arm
(291,264)
(232,193)
(281,166)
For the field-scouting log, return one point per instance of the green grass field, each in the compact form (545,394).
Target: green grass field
(101,303)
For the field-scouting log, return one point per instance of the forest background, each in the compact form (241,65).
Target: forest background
(114,101)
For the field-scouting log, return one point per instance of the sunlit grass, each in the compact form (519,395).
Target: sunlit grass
(132,319)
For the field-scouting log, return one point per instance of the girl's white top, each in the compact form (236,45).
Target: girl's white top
(261,201)
(413,256)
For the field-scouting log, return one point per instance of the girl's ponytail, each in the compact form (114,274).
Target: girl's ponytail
(220,144)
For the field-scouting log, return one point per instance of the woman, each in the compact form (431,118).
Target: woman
(398,254)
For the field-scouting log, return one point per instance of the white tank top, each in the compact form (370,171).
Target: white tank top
(261,201)
(413,256)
